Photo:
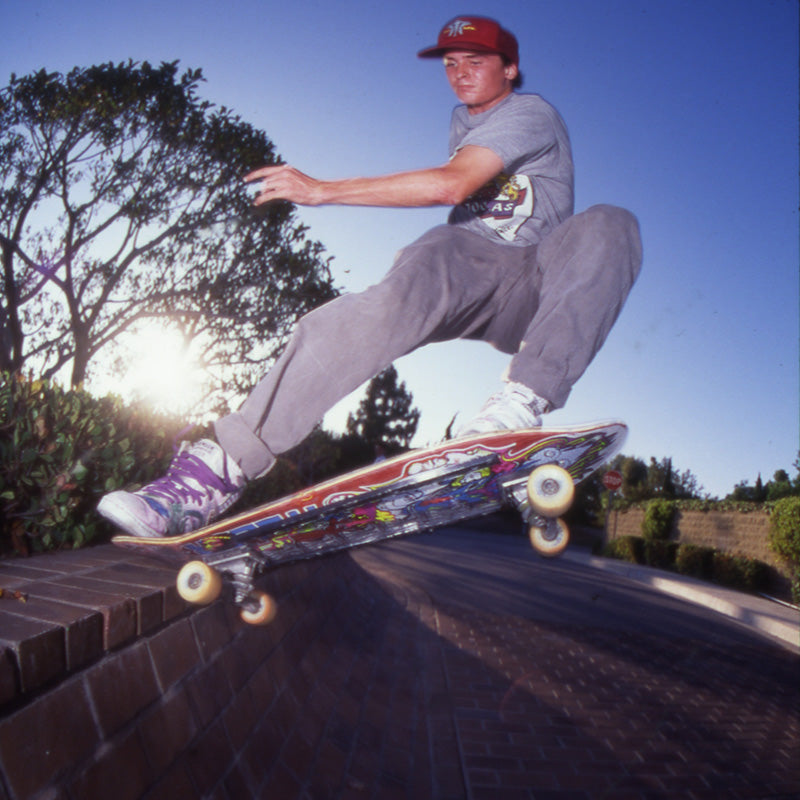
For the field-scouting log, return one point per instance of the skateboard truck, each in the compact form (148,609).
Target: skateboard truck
(200,582)
(541,499)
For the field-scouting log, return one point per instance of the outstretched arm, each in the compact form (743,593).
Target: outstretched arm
(470,169)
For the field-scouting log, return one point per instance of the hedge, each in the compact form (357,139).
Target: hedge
(784,537)
(733,571)
(60,451)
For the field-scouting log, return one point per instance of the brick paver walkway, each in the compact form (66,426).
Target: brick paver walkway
(452,666)
(542,709)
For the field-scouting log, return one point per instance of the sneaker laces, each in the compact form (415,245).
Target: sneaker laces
(175,486)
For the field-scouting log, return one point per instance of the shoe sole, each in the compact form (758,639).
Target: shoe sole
(117,514)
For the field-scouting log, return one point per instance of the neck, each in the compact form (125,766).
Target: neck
(479,108)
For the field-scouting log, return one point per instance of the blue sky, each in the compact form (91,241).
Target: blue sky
(683,111)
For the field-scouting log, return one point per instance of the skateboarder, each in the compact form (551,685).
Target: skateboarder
(513,266)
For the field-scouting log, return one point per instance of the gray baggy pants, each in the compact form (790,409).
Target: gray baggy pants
(550,305)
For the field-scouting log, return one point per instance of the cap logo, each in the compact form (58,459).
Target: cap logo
(457,27)
(480,34)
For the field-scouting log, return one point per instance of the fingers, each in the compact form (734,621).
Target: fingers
(282,182)
(267,190)
(261,172)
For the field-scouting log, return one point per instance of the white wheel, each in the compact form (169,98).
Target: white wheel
(198,583)
(263,614)
(551,490)
(550,540)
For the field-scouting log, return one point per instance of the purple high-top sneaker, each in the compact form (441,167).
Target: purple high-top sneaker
(201,483)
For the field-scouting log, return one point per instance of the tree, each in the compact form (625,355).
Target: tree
(121,202)
(641,481)
(780,486)
(385,417)
(634,477)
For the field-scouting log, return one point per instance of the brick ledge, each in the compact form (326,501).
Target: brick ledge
(61,611)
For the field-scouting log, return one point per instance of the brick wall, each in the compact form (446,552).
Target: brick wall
(111,687)
(740,533)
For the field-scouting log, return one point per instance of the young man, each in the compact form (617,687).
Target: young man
(513,266)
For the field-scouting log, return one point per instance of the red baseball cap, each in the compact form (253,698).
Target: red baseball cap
(478,34)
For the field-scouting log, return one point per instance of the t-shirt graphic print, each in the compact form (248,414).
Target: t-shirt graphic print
(504,204)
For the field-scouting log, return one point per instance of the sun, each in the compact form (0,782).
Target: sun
(161,371)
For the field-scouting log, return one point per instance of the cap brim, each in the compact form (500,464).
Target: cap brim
(467,47)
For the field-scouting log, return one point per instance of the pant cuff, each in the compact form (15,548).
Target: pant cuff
(243,446)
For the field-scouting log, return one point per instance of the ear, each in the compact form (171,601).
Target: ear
(511,71)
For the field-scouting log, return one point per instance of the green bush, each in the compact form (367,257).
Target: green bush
(694,561)
(736,572)
(784,536)
(739,572)
(657,522)
(627,548)
(661,554)
(60,451)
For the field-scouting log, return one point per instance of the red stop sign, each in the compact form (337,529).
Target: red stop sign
(612,480)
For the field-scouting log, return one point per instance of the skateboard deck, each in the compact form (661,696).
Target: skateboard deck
(532,470)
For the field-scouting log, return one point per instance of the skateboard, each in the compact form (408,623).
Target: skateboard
(534,471)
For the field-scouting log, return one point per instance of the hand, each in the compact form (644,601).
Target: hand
(284,182)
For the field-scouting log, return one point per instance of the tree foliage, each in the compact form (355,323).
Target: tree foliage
(386,417)
(785,537)
(121,202)
(60,451)
(780,486)
(658,479)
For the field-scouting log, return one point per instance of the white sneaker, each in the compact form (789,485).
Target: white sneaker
(201,483)
(515,406)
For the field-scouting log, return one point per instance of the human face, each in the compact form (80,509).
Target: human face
(480,80)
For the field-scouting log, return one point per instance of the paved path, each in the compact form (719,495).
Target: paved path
(445,666)
(563,679)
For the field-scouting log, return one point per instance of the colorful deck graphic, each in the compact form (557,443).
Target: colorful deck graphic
(420,490)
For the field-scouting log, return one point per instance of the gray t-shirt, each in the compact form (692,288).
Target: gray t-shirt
(534,193)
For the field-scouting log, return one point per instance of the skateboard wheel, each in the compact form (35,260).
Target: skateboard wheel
(198,583)
(550,490)
(550,540)
(263,609)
